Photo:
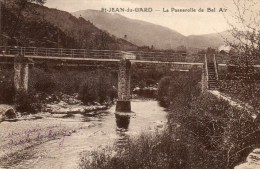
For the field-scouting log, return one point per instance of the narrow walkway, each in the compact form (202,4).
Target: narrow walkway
(253,159)
(235,102)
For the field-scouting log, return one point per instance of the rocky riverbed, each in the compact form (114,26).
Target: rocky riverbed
(50,141)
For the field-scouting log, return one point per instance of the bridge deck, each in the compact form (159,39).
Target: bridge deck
(82,55)
(45,53)
(102,60)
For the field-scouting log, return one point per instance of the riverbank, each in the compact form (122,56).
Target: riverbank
(58,140)
(203,131)
(16,139)
(199,135)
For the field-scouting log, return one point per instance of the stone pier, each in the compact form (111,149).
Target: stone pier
(124,75)
(21,71)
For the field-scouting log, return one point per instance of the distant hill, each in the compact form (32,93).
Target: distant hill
(143,33)
(208,40)
(138,32)
(41,26)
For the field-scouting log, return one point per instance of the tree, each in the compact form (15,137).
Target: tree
(244,21)
(181,49)
(245,28)
(18,8)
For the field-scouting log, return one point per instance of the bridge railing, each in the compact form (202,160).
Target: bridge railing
(160,56)
(60,52)
(95,54)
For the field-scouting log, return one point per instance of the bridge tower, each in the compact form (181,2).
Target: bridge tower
(124,77)
(21,72)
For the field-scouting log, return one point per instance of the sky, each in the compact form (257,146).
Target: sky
(186,23)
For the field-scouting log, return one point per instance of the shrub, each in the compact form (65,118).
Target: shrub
(163,89)
(220,136)
(45,84)
(154,151)
(27,103)
(180,87)
(87,93)
(6,86)
(97,88)
(7,93)
(204,132)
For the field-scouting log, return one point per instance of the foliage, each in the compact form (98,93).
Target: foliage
(245,29)
(41,81)
(244,23)
(203,132)
(99,86)
(103,84)
(141,77)
(55,28)
(163,90)
(206,133)
(27,103)
(154,151)
(97,89)
(220,135)
(181,85)
(6,86)
(25,35)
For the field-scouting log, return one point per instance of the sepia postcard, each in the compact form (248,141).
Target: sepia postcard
(129,84)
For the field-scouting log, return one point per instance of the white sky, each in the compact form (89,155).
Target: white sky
(185,23)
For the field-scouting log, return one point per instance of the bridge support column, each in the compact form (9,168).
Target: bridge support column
(124,75)
(21,71)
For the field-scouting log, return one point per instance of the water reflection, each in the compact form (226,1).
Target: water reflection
(123,138)
(122,121)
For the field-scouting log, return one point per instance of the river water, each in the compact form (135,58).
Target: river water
(56,142)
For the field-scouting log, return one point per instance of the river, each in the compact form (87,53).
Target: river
(56,142)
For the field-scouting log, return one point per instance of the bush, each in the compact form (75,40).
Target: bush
(180,87)
(45,83)
(163,89)
(7,93)
(92,86)
(207,133)
(219,135)
(97,88)
(153,151)
(204,132)
(27,103)
(6,86)
(240,91)
(147,77)
(88,93)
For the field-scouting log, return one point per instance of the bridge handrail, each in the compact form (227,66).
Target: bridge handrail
(216,66)
(94,50)
(85,53)
(163,52)
(206,70)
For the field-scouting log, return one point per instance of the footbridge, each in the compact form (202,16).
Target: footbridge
(22,57)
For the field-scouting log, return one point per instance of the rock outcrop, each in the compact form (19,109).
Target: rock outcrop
(7,112)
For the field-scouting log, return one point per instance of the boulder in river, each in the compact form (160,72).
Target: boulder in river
(7,112)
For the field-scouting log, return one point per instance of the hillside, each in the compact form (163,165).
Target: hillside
(147,34)
(41,26)
(138,32)
(209,40)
